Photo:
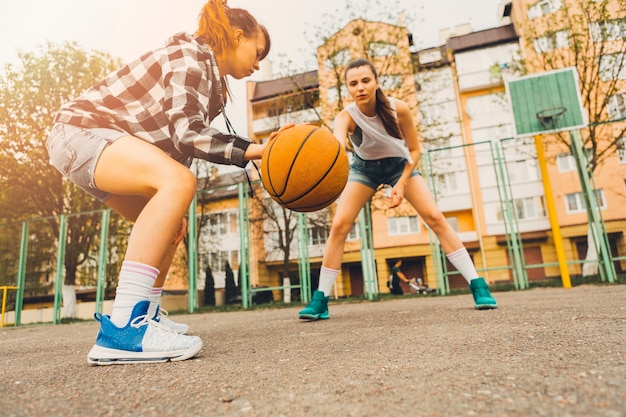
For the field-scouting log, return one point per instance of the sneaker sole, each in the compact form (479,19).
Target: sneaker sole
(99,355)
(314,317)
(485,306)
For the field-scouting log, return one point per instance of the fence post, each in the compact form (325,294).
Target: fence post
(21,275)
(58,283)
(102,259)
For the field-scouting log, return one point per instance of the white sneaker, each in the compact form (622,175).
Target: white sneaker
(141,340)
(161,317)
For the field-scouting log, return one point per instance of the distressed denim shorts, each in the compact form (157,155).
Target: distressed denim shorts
(376,172)
(75,151)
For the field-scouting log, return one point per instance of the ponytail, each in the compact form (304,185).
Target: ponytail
(217,23)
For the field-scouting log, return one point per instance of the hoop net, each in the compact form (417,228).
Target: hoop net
(550,117)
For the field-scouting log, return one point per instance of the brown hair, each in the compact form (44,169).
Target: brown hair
(383,108)
(217,22)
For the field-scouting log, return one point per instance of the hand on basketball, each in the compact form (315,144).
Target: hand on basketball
(282,129)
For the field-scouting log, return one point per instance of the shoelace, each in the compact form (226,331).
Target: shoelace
(139,321)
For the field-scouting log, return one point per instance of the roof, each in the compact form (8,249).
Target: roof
(264,90)
(483,38)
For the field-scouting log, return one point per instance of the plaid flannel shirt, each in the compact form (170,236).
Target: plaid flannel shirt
(167,97)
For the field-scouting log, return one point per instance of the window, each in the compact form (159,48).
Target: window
(617,106)
(217,261)
(523,171)
(529,208)
(403,225)
(317,235)
(218,224)
(544,7)
(354,233)
(574,203)
(338,59)
(382,49)
(447,183)
(613,67)
(390,82)
(551,41)
(621,150)
(609,30)
(565,162)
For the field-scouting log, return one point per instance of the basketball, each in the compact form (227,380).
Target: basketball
(304,168)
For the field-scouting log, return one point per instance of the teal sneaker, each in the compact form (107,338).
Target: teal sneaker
(483,300)
(317,309)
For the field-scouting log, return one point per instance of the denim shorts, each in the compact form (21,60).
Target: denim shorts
(75,151)
(373,173)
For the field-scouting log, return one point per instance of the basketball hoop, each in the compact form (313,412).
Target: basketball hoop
(549,117)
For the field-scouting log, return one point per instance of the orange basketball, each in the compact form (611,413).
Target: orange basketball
(304,168)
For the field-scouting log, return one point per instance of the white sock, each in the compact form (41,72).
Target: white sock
(463,263)
(135,284)
(155,300)
(327,280)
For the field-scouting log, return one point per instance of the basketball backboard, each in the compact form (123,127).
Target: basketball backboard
(546,102)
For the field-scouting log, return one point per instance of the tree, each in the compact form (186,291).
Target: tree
(209,287)
(230,288)
(30,94)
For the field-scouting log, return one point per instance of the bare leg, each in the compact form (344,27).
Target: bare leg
(352,200)
(417,193)
(130,207)
(150,187)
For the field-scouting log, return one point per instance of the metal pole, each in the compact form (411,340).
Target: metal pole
(607,269)
(244,258)
(102,259)
(192,253)
(368,265)
(21,275)
(514,240)
(58,284)
(554,222)
(304,262)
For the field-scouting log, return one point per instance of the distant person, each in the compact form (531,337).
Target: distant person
(395,287)
(129,141)
(386,151)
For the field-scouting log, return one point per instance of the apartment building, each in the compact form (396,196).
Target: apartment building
(474,163)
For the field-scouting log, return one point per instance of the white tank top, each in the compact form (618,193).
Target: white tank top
(370,139)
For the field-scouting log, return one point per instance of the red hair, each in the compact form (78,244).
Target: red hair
(217,23)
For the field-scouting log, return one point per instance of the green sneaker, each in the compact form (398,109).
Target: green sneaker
(483,300)
(317,309)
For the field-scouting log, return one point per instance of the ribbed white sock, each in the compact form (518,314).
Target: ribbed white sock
(462,261)
(155,299)
(135,284)
(327,280)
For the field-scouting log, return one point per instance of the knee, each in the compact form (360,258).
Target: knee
(435,220)
(182,183)
(340,228)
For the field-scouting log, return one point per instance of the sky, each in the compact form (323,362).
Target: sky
(128,28)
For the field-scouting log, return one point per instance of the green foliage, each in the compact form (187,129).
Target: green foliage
(30,94)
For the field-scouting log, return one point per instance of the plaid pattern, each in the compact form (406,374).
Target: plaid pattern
(167,97)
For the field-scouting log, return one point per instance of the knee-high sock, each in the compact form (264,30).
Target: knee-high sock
(135,284)
(463,263)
